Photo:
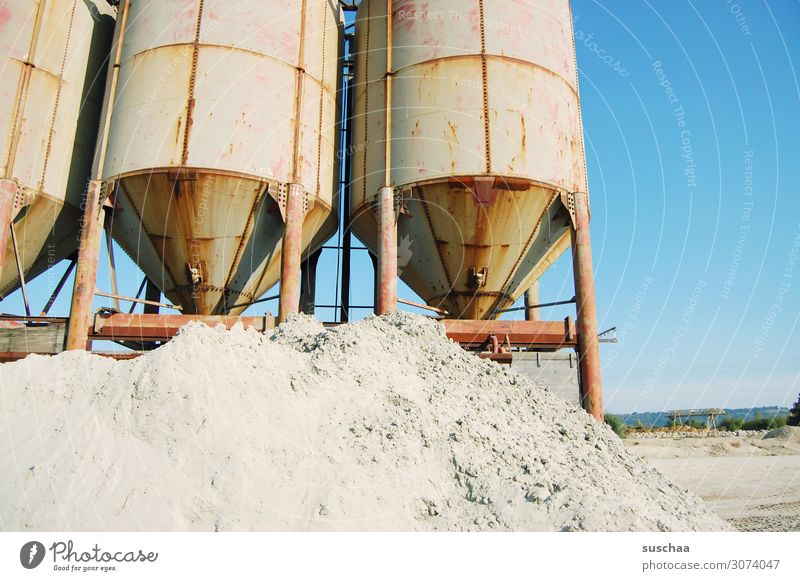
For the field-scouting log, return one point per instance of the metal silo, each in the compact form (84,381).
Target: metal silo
(51,91)
(479,135)
(221,107)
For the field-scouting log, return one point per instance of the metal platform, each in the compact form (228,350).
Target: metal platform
(497,340)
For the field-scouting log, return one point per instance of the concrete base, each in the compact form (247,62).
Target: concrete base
(558,371)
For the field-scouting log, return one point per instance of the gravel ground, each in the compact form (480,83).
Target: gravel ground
(752,481)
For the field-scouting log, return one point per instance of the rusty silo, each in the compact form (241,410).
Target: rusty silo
(479,135)
(51,92)
(220,107)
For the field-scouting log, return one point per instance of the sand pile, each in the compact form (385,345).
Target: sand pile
(379,425)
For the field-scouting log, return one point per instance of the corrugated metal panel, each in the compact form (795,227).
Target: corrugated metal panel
(51,86)
(203,139)
(485,132)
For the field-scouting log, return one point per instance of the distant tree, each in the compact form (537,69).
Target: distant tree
(732,424)
(794,414)
(692,423)
(765,423)
(616,424)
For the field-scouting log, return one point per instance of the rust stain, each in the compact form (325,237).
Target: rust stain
(22,92)
(192,84)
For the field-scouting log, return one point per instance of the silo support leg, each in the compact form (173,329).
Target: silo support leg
(8,192)
(291,253)
(591,384)
(80,316)
(387,253)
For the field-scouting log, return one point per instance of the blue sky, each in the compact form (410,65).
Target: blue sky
(691,113)
(695,206)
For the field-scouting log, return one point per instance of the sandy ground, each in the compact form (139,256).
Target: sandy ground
(752,482)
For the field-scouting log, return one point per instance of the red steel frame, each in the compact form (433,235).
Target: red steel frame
(499,336)
(154,327)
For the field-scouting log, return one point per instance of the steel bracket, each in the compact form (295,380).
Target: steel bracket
(568,201)
(281,195)
(101,189)
(23,196)
(401,204)
(477,278)
(196,272)
(400,197)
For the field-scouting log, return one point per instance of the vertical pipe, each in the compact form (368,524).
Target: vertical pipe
(93,217)
(347,247)
(8,192)
(308,283)
(112,78)
(386,299)
(591,384)
(347,233)
(387,178)
(387,253)
(291,254)
(532,299)
(80,314)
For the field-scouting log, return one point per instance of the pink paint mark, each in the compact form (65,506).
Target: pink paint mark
(5,16)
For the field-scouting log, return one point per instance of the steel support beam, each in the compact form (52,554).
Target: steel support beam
(308,283)
(20,270)
(80,317)
(591,383)
(291,253)
(140,327)
(112,264)
(547,335)
(387,253)
(152,295)
(58,288)
(531,300)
